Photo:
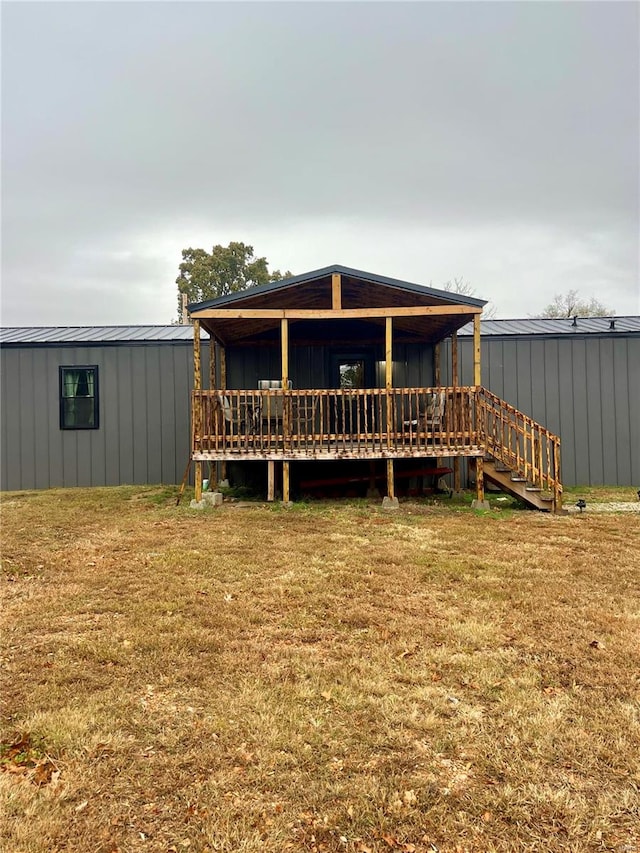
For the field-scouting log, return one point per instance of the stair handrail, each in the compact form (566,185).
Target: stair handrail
(521,444)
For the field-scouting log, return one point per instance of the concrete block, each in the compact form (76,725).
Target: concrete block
(213,498)
(198,504)
(476,504)
(390,504)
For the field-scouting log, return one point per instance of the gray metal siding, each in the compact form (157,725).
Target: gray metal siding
(586,389)
(143,435)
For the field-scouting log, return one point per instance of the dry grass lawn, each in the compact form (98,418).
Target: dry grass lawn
(324,678)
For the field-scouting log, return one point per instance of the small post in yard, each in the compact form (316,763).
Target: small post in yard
(197,404)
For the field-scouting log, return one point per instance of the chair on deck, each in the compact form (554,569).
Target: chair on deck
(432,417)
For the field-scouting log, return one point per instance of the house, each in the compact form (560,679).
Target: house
(111,405)
(341,366)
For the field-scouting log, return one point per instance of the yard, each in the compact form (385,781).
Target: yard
(324,678)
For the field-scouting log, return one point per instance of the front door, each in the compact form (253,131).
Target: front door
(352,371)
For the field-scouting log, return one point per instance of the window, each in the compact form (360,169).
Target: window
(79,397)
(351,373)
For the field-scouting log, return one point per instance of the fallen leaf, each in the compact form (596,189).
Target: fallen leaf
(409,798)
(597,644)
(82,806)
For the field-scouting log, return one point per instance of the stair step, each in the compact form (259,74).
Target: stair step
(518,479)
(532,489)
(502,469)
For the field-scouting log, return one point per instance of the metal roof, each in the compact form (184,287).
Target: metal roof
(272,286)
(143,334)
(559,326)
(94,334)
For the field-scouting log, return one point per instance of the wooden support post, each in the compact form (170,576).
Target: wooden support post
(284,340)
(223,386)
(388,351)
(454,382)
(271,480)
(454,359)
(436,366)
(391,492)
(479,478)
(336,291)
(213,381)
(477,374)
(197,408)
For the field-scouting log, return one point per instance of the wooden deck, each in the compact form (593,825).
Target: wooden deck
(374,423)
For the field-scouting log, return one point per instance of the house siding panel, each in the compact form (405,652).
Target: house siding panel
(586,389)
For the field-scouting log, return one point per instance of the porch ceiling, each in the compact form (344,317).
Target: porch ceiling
(358,291)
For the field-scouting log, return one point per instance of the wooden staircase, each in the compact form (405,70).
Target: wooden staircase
(509,481)
(522,457)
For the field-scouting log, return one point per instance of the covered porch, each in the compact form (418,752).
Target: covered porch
(364,413)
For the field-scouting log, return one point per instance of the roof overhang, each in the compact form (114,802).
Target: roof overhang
(254,316)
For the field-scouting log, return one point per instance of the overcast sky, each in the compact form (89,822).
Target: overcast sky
(498,142)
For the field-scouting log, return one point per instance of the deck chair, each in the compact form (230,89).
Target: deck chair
(432,416)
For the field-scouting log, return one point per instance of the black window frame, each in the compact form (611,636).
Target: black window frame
(96,395)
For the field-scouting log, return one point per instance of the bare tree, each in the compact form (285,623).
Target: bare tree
(464,288)
(569,305)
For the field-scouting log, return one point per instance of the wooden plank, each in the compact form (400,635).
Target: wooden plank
(436,365)
(336,291)
(477,375)
(333,314)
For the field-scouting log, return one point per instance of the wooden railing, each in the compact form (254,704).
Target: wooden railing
(520,443)
(336,423)
(372,423)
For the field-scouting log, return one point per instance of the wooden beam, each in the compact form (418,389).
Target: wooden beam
(477,374)
(336,291)
(333,314)
(285,483)
(388,353)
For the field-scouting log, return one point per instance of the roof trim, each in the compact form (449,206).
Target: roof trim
(284,283)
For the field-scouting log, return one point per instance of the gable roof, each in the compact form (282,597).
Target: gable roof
(313,275)
(238,319)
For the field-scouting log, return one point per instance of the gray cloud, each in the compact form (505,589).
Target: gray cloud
(508,131)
